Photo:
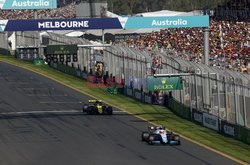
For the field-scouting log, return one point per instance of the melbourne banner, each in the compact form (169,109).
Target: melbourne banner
(59,24)
(27,4)
(104,23)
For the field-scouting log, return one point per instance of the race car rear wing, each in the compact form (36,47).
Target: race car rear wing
(93,101)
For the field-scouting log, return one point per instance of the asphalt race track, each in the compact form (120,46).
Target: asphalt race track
(41,124)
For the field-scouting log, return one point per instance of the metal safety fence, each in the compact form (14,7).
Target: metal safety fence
(222,93)
(4,47)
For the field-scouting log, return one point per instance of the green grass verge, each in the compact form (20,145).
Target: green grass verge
(154,113)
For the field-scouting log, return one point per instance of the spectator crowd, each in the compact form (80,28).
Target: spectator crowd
(229,44)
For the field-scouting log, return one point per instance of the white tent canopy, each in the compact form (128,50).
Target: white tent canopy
(166,13)
(120,31)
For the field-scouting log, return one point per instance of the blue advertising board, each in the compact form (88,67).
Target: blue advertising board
(104,23)
(27,4)
(60,24)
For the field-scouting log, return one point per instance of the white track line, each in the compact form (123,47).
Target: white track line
(38,112)
(46,95)
(47,112)
(35,88)
(60,102)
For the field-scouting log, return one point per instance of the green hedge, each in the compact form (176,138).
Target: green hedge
(243,134)
(179,109)
(4,51)
(66,69)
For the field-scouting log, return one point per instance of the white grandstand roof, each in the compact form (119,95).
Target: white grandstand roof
(120,31)
(165,13)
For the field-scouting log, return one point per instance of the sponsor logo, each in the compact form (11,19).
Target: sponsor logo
(228,130)
(129,92)
(148,99)
(164,81)
(198,117)
(85,75)
(30,3)
(63,24)
(138,95)
(163,87)
(167,22)
(210,121)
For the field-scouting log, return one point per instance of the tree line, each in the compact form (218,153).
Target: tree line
(130,7)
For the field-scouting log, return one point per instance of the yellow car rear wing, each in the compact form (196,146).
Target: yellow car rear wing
(93,101)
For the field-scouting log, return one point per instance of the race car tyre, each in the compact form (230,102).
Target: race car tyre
(109,110)
(144,136)
(90,110)
(151,138)
(84,108)
(94,111)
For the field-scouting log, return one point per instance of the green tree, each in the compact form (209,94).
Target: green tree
(137,6)
(131,6)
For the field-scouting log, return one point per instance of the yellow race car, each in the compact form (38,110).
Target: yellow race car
(97,107)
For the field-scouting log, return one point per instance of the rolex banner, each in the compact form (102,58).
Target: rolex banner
(164,83)
(61,49)
(27,4)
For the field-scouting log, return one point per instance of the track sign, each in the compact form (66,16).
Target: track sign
(68,58)
(27,4)
(48,58)
(62,58)
(62,49)
(164,83)
(55,59)
(75,58)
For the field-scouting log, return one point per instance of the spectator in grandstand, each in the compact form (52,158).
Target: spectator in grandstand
(156,63)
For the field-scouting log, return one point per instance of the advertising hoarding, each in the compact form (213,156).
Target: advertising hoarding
(211,121)
(27,4)
(166,22)
(103,23)
(164,83)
